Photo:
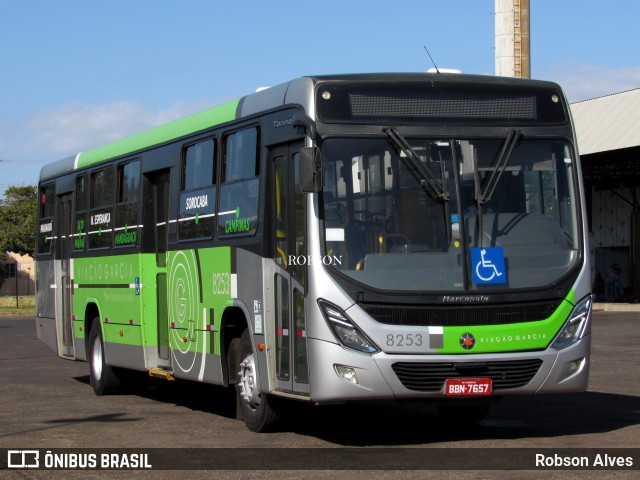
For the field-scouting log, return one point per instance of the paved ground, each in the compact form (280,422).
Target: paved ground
(47,403)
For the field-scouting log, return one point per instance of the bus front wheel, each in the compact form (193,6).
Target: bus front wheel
(256,407)
(102,377)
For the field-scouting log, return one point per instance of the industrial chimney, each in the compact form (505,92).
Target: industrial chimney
(512,38)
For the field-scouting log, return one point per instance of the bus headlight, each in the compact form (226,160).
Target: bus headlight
(344,330)
(574,328)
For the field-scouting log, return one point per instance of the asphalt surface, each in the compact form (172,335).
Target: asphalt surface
(47,403)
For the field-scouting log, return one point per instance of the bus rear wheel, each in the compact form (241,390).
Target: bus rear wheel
(103,380)
(256,407)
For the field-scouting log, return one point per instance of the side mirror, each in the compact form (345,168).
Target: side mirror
(310,170)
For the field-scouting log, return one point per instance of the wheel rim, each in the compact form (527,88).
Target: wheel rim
(96,364)
(247,385)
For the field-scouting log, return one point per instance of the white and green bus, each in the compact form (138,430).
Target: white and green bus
(417,237)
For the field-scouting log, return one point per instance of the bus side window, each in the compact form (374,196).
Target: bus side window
(241,155)
(198,191)
(81,207)
(127,202)
(46,212)
(238,209)
(100,228)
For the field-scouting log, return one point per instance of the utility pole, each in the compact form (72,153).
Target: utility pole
(17,284)
(512,38)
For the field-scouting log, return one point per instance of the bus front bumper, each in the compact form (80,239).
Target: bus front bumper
(350,375)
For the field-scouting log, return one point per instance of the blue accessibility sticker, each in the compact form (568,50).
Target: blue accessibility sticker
(488,265)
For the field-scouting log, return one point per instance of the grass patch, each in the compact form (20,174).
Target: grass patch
(26,305)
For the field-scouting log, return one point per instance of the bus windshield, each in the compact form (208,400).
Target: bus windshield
(516,210)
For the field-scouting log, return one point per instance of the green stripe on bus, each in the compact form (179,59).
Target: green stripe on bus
(163,133)
(200,286)
(516,337)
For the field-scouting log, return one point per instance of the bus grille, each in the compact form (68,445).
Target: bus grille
(430,376)
(450,316)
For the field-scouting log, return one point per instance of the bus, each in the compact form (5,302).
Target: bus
(408,237)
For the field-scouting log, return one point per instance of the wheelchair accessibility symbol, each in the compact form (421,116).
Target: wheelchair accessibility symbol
(488,265)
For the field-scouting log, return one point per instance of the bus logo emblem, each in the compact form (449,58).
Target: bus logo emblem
(23,458)
(467,341)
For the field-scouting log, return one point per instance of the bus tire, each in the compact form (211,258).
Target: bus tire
(256,408)
(103,380)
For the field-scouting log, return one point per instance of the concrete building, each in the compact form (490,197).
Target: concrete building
(21,274)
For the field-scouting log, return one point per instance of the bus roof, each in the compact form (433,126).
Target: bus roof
(157,135)
(145,139)
(293,92)
(298,91)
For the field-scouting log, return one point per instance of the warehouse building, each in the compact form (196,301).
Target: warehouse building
(608,131)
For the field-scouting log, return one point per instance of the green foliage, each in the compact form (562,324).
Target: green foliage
(25,305)
(18,220)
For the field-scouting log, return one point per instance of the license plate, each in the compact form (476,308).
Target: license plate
(467,387)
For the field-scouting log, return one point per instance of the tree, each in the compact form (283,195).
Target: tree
(18,220)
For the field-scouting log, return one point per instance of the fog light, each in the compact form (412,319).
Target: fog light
(346,373)
(575,366)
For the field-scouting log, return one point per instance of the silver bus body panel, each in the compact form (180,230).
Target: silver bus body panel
(46,304)
(296,92)
(45,291)
(320,283)
(47,332)
(377,379)
(55,169)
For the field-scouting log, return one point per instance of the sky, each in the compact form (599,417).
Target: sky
(75,74)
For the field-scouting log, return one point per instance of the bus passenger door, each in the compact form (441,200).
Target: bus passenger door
(155,222)
(289,278)
(64,283)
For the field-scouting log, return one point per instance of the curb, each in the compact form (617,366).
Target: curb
(617,307)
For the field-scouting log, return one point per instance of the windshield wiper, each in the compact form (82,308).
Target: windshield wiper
(499,166)
(428,180)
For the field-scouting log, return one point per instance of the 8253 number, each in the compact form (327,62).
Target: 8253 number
(405,340)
